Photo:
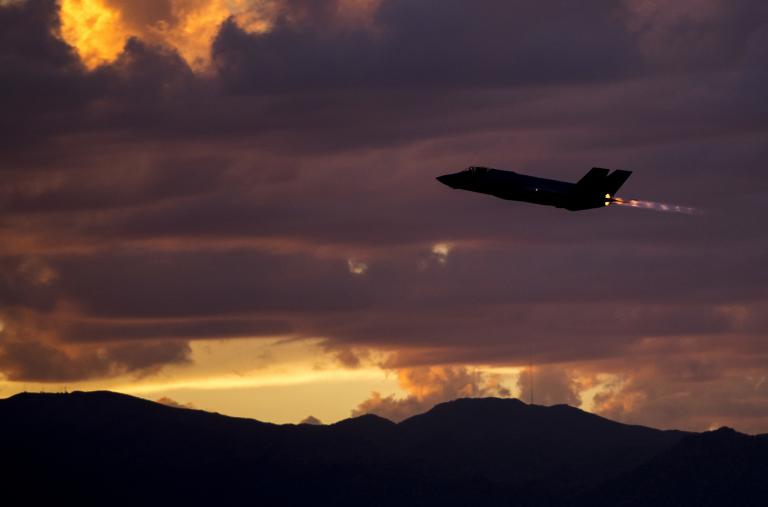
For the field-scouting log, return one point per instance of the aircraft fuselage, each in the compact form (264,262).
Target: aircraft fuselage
(594,190)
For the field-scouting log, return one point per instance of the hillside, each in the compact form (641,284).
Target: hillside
(112,449)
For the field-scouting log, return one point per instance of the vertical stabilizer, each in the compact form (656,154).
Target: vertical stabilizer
(598,181)
(615,180)
(594,178)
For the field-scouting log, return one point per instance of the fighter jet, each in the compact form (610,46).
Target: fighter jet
(595,190)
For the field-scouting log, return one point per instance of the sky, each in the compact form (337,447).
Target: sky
(231,204)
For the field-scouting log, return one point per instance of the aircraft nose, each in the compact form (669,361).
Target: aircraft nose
(447,179)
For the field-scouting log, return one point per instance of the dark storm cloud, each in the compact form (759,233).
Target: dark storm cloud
(46,94)
(437,44)
(41,79)
(26,282)
(27,353)
(130,182)
(221,282)
(147,89)
(599,309)
(185,284)
(29,360)
(313,84)
(85,332)
(144,204)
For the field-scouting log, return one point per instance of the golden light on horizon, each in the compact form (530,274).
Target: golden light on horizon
(271,380)
(254,379)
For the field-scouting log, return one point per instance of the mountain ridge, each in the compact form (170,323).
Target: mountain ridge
(488,450)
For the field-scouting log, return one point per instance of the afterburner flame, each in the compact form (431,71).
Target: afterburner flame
(656,206)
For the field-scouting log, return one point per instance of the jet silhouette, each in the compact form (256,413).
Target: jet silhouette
(595,190)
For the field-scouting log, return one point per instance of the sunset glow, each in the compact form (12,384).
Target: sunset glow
(94,29)
(99,29)
(233,204)
(656,206)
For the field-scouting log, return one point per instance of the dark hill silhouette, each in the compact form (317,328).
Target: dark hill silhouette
(721,467)
(104,448)
(508,441)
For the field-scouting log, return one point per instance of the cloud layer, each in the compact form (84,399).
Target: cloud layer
(148,200)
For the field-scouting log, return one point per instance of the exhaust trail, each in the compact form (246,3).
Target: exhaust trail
(655,206)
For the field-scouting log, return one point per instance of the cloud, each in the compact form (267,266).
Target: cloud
(428,386)
(40,76)
(551,386)
(693,33)
(27,281)
(695,391)
(31,350)
(99,29)
(402,66)
(357,267)
(173,403)
(27,359)
(84,331)
(346,356)
(145,201)
(454,49)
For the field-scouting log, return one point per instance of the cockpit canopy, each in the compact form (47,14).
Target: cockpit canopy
(476,170)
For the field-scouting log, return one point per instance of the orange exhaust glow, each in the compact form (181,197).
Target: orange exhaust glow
(656,206)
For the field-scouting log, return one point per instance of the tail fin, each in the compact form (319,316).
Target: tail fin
(593,178)
(598,179)
(615,180)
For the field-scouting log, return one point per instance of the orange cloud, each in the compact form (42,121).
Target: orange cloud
(551,385)
(95,30)
(429,385)
(98,29)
